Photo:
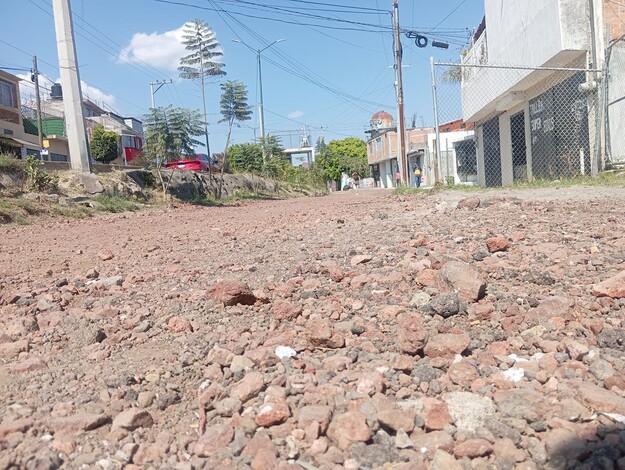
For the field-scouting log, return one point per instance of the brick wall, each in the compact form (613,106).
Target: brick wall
(614,17)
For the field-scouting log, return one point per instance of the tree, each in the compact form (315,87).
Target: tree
(104,145)
(320,146)
(344,156)
(234,107)
(200,40)
(246,158)
(169,135)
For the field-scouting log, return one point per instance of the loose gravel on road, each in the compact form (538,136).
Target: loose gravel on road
(363,330)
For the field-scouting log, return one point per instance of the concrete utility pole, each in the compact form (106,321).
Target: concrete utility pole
(261,111)
(70,80)
(160,83)
(402,161)
(38,98)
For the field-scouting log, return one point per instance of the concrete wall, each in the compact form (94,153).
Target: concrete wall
(530,33)
(616,110)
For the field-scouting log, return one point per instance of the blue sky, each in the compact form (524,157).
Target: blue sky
(331,72)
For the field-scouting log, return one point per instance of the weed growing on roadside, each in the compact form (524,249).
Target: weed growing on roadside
(115,203)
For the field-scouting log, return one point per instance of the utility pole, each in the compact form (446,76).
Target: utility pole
(70,80)
(261,111)
(401,128)
(38,98)
(160,83)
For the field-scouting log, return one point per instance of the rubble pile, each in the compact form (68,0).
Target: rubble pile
(356,331)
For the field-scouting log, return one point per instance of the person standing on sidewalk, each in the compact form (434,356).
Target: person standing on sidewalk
(397,179)
(417,176)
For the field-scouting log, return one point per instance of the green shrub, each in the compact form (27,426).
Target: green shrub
(8,162)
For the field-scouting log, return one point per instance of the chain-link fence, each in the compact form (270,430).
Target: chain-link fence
(499,125)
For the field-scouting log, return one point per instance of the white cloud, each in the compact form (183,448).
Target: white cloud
(296,114)
(27,90)
(96,95)
(160,50)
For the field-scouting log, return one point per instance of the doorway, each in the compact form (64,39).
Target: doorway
(519,149)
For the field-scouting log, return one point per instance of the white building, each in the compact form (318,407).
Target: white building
(534,123)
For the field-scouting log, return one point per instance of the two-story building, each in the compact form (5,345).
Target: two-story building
(13,136)
(382,149)
(530,121)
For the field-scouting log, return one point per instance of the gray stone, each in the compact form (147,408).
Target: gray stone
(469,411)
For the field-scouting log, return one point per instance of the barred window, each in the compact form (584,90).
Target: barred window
(7,96)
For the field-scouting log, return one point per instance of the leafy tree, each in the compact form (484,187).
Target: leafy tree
(246,158)
(170,135)
(344,156)
(104,145)
(320,146)
(204,48)
(234,107)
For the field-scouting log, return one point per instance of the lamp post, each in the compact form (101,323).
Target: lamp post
(261,112)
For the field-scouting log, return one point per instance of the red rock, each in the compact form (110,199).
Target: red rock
(274,411)
(214,438)
(265,459)
(336,274)
(444,461)
(397,419)
(471,203)
(178,325)
(418,241)
(320,414)
(132,419)
(463,374)
(77,422)
(495,244)
(14,349)
(464,278)
(428,443)
(473,448)
(613,287)
(248,387)
(286,310)
(257,443)
(106,255)
(446,345)
(600,399)
(360,259)
(435,414)
(321,334)
(29,365)
(412,335)
(347,428)
(18,425)
(232,293)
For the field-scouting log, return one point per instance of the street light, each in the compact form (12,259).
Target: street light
(261,112)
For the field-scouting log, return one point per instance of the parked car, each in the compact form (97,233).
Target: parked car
(200,163)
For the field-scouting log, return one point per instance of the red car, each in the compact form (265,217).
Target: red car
(200,163)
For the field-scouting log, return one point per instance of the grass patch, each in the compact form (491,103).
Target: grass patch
(15,209)
(115,204)
(210,201)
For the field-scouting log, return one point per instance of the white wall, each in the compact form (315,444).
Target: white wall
(616,111)
(530,33)
(447,145)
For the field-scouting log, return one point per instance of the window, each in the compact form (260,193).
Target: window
(128,141)
(57,157)
(7,94)
(378,144)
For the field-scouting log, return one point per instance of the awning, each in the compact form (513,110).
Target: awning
(20,142)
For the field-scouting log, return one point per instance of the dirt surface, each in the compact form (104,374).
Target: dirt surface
(414,332)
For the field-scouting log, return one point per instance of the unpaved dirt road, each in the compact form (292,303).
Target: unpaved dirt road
(425,332)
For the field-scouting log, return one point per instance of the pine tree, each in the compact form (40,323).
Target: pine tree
(200,40)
